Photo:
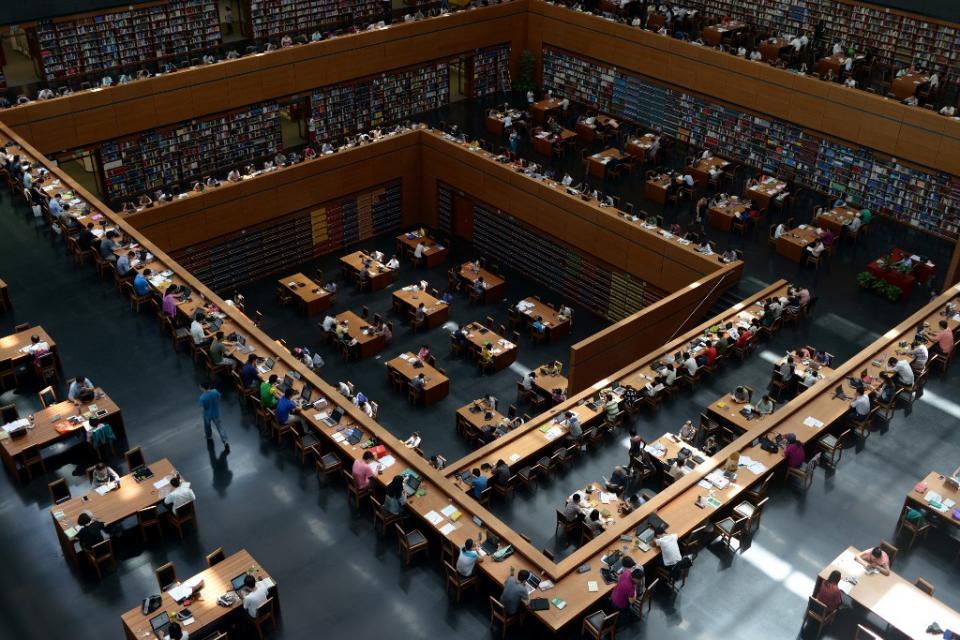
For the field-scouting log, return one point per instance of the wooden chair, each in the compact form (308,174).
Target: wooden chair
(166,576)
(410,543)
(804,476)
(354,493)
(266,612)
(500,619)
(30,458)
(924,586)
(915,529)
(46,367)
(381,516)
(832,448)
(890,550)
(48,397)
(304,441)
(100,553)
(730,529)
(751,512)
(179,517)
(564,525)
(59,491)
(598,625)
(818,612)
(149,518)
(134,458)
(216,556)
(458,582)
(643,604)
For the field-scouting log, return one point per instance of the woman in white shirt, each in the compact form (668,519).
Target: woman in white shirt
(393,263)
(102,475)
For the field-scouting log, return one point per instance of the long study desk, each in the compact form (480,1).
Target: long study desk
(435,253)
(556,326)
(313,298)
(12,347)
(437,384)
(206,613)
(370,343)
(408,299)
(495,285)
(379,274)
(504,351)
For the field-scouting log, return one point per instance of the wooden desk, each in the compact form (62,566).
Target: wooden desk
(312,296)
(766,191)
(893,599)
(407,300)
(588,131)
(717,33)
(370,343)
(11,346)
(545,383)
(599,161)
(208,615)
(545,141)
(539,110)
(937,483)
(556,327)
(701,168)
(435,253)
(52,425)
(772,48)
(494,124)
(722,215)
(380,274)
(836,219)
(504,351)
(112,507)
(469,422)
(437,384)
(792,243)
(835,63)
(906,86)
(639,148)
(655,188)
(495,284)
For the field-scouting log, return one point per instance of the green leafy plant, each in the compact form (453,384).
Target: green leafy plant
(865,279)
(524,80)
(892,292)
(879,286)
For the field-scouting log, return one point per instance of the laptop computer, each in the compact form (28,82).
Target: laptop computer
(242,345)
(490,545)
(412,483)
(838,392)
(286,384)
(305,394)
(159,624)
(533,581)
(237,584)
(266,365)
(354,436)
(333,419)
(215,323)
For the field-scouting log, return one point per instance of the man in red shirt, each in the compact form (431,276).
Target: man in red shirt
(943,341)
(709,354)
(363,470)
(744,338)
(829,592)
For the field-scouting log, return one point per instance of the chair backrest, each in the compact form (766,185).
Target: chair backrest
(812,465)
(101,550)
(59,490)
(609,622)
(496,609)
(265,609)
(147,514)
(185,511)
(924,586)
(166,575)
(134,458)
(48,397)
(816,608)
(215,556)
(890,550)
(9,413)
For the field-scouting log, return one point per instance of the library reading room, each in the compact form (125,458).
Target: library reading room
(314,306)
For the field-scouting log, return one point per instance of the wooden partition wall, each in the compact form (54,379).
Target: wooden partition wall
(852,115)
(234,206)
(93,116)
(615,347)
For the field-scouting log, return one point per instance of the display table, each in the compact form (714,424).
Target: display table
(920,271)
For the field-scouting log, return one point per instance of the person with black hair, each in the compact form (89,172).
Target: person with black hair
(514,591)
(255,594)
(90,531)
(210,401)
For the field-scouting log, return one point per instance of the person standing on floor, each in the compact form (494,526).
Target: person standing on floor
(210,401)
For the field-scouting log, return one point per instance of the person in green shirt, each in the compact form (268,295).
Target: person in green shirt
(267,397)
(865,216)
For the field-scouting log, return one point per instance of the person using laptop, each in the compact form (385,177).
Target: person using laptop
(478,483)
(267,396)
(255,593)
(860,406)
(248,374)
(180,495)
(741,395)
(515,591)
(468,559)
(574,429)
(219,352)
(176,632)
(395,500)
(287,411)
(197,331)
(78,386)
(903,372)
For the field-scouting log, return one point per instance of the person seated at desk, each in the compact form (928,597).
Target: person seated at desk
(254,593)
(689,364)
(419,382)
(572,509)
(219,352)
(144,201)
(593,523)
(79,386)
(526,383)
(107,246)
(794,453)
(766,406)
(903,372)
(741,395)
(618,480)
(829,594)
(943,341)
(424,353)
(728,256)
(705,248)
(393,263)
(267,396)
(395,498)
(918,350)
(141,282)
(89,531)
(650,390)
(501,474)
(688,432)
(124,264)
(343,330)
(413,441)
(180,495)
(876,558)
(176,632)
(670,375)
(826,237)
(557,396)
(486,356)
(478,483)
(479,286)
(211,181)
(468,558)
(631,504)
(810,378)
(385,331)
(363,470)
(860,405)
(574,428)
(102,476)
(708,355)
(197,332)
(248,374)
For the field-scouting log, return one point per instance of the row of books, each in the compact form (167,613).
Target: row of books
(345,109)
(283,244)
(271,18)
(896,38)
(923,198)
(100,43)
(189,150)
(491,71)
(562,269)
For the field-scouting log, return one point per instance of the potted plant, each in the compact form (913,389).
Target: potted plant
(892,292)
(524,80)
(865,279)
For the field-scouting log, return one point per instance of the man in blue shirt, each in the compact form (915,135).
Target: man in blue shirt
(125,264)
(286,409)
(54,206)
(478,484)
(210,401)
(537,325)
(248,374)
(141,284)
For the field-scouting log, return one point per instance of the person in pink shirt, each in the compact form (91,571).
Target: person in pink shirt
(363,470)
(943,341)
(829,592)
(170,301)
(794,452)
(875,557)
(630,586)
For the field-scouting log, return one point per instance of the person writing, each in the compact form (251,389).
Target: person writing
(829,592)
(102,476)
(468,559)
(363,470)
(741,395)
(766,405)
(875,558)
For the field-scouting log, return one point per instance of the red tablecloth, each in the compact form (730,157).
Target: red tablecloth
(922,271)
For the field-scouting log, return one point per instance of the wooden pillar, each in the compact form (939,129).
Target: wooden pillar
(953,271)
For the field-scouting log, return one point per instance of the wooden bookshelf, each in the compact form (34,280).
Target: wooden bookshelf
(274,18)
(491,71)
(913,195)
(572,274)
(189,150)
(280,244)
(102,42)
(346,109)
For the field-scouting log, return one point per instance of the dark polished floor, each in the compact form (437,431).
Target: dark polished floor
(334,574)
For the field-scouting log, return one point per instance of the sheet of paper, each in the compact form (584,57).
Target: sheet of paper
(514,457)
(592,586)
(161,483)
(103,489)
(449,510)
(433,517)
(447,528)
